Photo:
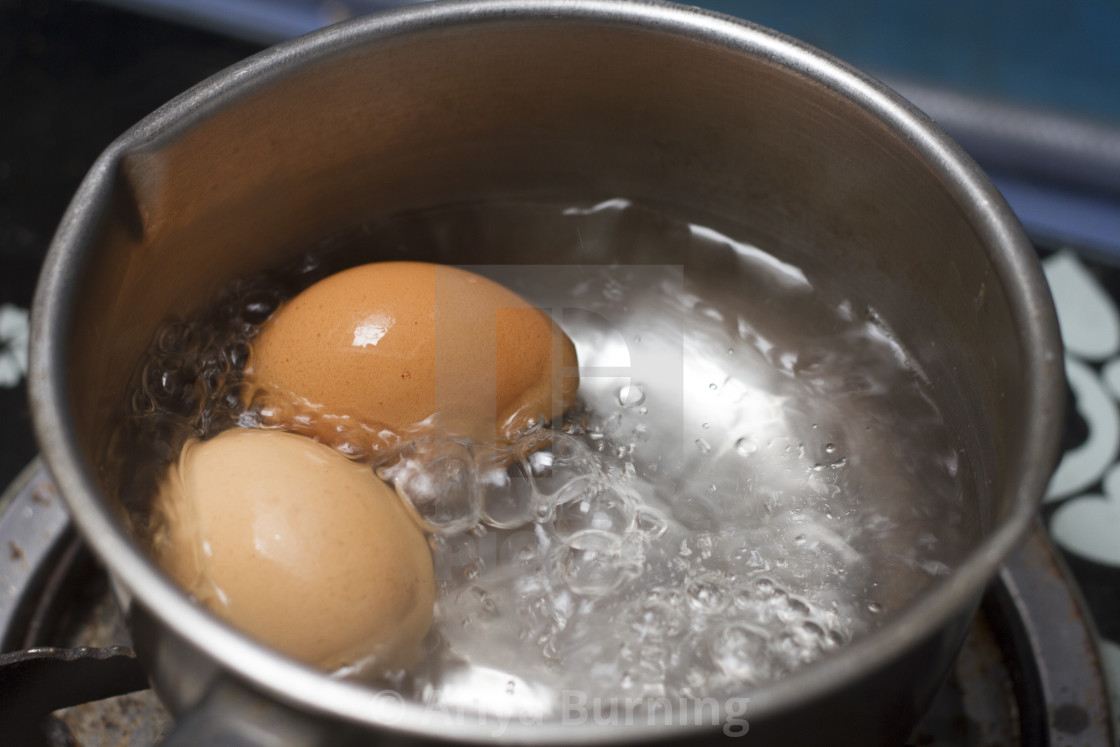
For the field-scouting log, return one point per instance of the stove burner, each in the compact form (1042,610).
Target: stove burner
(1029,673)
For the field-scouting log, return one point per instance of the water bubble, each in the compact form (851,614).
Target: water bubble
(789,608)
(645,668)
(766,587)
(508,497)
(696,511)
(475,606)
(813,631)
(631,395)
(650,522)
(740,652)
(799,644)
(703,446)
(590,563)
(538,618)
(874,608)
(543,511)
(654,619)
(438,480)
(576,488)
(521,548)
(554,467)
(539,463)
(258,304)
(744,599)
(701,545)
(746,446)
(707,594)
(455,556)
(484,601)
(595,507)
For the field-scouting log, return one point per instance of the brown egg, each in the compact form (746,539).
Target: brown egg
(298,546)
(390,344)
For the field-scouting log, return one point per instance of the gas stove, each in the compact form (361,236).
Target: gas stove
(1036,665)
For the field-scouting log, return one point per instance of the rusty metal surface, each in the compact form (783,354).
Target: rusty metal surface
(135,719)
(978,706)
(34,531)
(1051,641)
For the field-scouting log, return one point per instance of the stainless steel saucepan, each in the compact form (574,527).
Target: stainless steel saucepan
(446,103)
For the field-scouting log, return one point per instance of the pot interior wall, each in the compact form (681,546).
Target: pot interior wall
(253,173)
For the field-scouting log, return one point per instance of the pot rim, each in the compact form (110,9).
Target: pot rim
(302,686)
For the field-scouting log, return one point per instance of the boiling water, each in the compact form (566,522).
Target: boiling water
(757,473)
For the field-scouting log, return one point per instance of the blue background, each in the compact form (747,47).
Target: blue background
(1058,55)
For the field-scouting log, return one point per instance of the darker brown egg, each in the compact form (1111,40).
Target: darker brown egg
(391,344)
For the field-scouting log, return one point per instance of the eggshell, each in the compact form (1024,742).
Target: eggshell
(391,344)
(298,546)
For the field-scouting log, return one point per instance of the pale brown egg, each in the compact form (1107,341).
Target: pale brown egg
(298,546)
(390,344)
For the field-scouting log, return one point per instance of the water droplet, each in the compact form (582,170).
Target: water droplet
(631,395)
(703,446)
(746,446)
(874,608)
(713,386)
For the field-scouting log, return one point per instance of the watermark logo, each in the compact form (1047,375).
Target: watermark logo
(577,708)
(573,708)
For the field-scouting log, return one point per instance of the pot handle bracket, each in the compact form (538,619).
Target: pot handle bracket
(234,716)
